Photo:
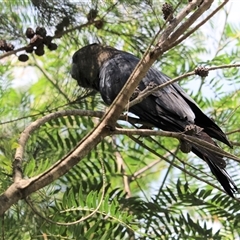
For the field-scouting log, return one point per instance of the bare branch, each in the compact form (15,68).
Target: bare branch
(54,37)
(199,25)
(146,168)
(17,172)
(148,91)
(185,26)
(177,135)
(121,166)
(177,166)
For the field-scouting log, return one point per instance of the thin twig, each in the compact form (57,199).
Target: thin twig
(54,84)
(177,166)
(63,33)
(146,168)
(168,171)
(148,91)
(177,135)
(198,25)
(234,131)
(122,170)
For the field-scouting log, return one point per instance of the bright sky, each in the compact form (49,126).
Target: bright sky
(233,8)
(234,14)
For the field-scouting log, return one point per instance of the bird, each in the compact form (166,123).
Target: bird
(106,69)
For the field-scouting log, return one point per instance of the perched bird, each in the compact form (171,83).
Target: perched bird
(107,69)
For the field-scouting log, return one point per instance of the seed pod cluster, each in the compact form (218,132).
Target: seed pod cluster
(60,27)
(38,39)
(5,46)
(201,71)
(92,15)
(99,24)
(167,11)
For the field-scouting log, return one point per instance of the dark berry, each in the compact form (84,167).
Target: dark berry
(65,21)
(3,45)
(29,49)
(47,40)
(36,40)
(23,57)
(52,46)
(60,26)
(9,47)
(41,31)
(29,33)
(40,50)
(58,34)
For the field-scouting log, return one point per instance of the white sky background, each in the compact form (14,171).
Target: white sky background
(233,8)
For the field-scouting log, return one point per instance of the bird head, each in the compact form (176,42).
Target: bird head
(87,62)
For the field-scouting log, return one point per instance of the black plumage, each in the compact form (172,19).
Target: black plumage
(107,69)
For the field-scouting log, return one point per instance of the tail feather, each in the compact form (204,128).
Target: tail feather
(220,173)
(216,164)
(224,179)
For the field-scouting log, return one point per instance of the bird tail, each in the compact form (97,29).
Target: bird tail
(216,164)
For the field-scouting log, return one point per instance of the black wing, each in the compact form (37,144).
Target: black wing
(169,108)
(165,108)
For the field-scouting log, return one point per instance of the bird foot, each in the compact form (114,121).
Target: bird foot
(135,94)
(152,85)
(191,130)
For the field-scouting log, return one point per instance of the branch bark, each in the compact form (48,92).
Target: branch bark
(146,92)
(177,135)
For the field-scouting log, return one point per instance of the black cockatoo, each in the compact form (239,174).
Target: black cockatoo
(107,69)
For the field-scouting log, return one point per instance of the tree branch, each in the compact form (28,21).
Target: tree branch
(54,84)
(17,173)
(177,135)
(175,165)
(148,91)
(199,25)
(54,37)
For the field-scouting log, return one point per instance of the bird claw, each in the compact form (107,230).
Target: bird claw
(192,130)
(152,85)
(135,94)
